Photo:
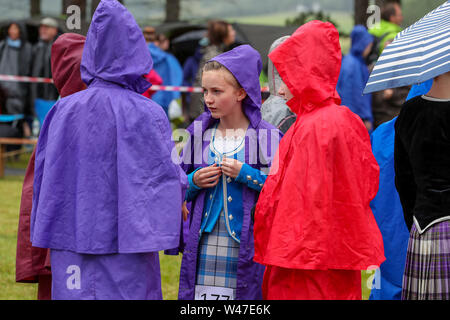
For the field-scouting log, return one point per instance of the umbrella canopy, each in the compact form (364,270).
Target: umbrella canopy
(418,53)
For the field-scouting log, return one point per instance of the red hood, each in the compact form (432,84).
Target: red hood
(312,50)
(66,58)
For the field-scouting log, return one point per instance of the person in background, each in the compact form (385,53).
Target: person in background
(169,69)
(15,59)
(221,37)
(153,76)
(388,212)
(389,25)
(107,192)
(354,75)
(190,68)
(422,179)
(386,104)
(33,264)
(162,42)
(149,34)
(41,63)
(314,229)
(274,110)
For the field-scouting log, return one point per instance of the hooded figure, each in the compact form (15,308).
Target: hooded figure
(245,65)
(274,110)
(314,229)
(169,69)
(354,75)
(32,263)
(107,195)
(15,59)
(41,67)
(388,210)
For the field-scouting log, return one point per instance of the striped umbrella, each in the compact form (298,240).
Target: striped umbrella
(418,53)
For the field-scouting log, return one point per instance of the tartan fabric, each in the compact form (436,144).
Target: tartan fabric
(218,257)
(427,269)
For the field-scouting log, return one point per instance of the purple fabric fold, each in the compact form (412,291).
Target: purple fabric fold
(105,181)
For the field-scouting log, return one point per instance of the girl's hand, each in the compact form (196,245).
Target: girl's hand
(207,177)
(185,211)
(231,167)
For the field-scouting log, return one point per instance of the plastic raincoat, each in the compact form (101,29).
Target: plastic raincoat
(107,195)
(354,75)
(314,229)
(32,264)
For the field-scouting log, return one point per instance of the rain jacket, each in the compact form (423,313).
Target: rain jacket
(314,213)
(105,181)
(274,110)
(15,61)
(32,263)
(388,211)
(249,273)
(386,31)
(354,75)
(169,69)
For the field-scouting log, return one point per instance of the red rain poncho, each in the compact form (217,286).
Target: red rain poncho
(313,214)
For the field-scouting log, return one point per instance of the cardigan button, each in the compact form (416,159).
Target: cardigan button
(230,217)
(228,179)
(255,181)
(210,197)
(249,178)
(233,234)
(230,199)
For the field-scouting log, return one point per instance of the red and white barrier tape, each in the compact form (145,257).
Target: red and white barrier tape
(5,77)
(174,88)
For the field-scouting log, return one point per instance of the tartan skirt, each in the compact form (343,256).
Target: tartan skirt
(218,257)
(427,268)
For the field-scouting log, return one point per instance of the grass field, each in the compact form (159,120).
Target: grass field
(10,192)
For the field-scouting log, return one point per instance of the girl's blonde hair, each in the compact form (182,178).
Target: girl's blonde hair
(215,66)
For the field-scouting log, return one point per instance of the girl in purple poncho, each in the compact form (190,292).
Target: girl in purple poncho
(106,193)
(224,165)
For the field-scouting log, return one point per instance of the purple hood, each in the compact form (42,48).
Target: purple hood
(247,77)
(115,49)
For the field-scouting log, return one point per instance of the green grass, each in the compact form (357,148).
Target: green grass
(10,190)
(10,193)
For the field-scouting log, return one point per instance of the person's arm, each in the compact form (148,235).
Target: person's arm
(404,180)
(192,190)
(251,177)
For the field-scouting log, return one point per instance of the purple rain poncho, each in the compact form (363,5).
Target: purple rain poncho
(105,182)
(244,63)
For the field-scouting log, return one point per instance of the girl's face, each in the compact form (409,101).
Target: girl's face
(284,92)
(220,92)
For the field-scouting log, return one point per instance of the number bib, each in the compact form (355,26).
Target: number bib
(213,293)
